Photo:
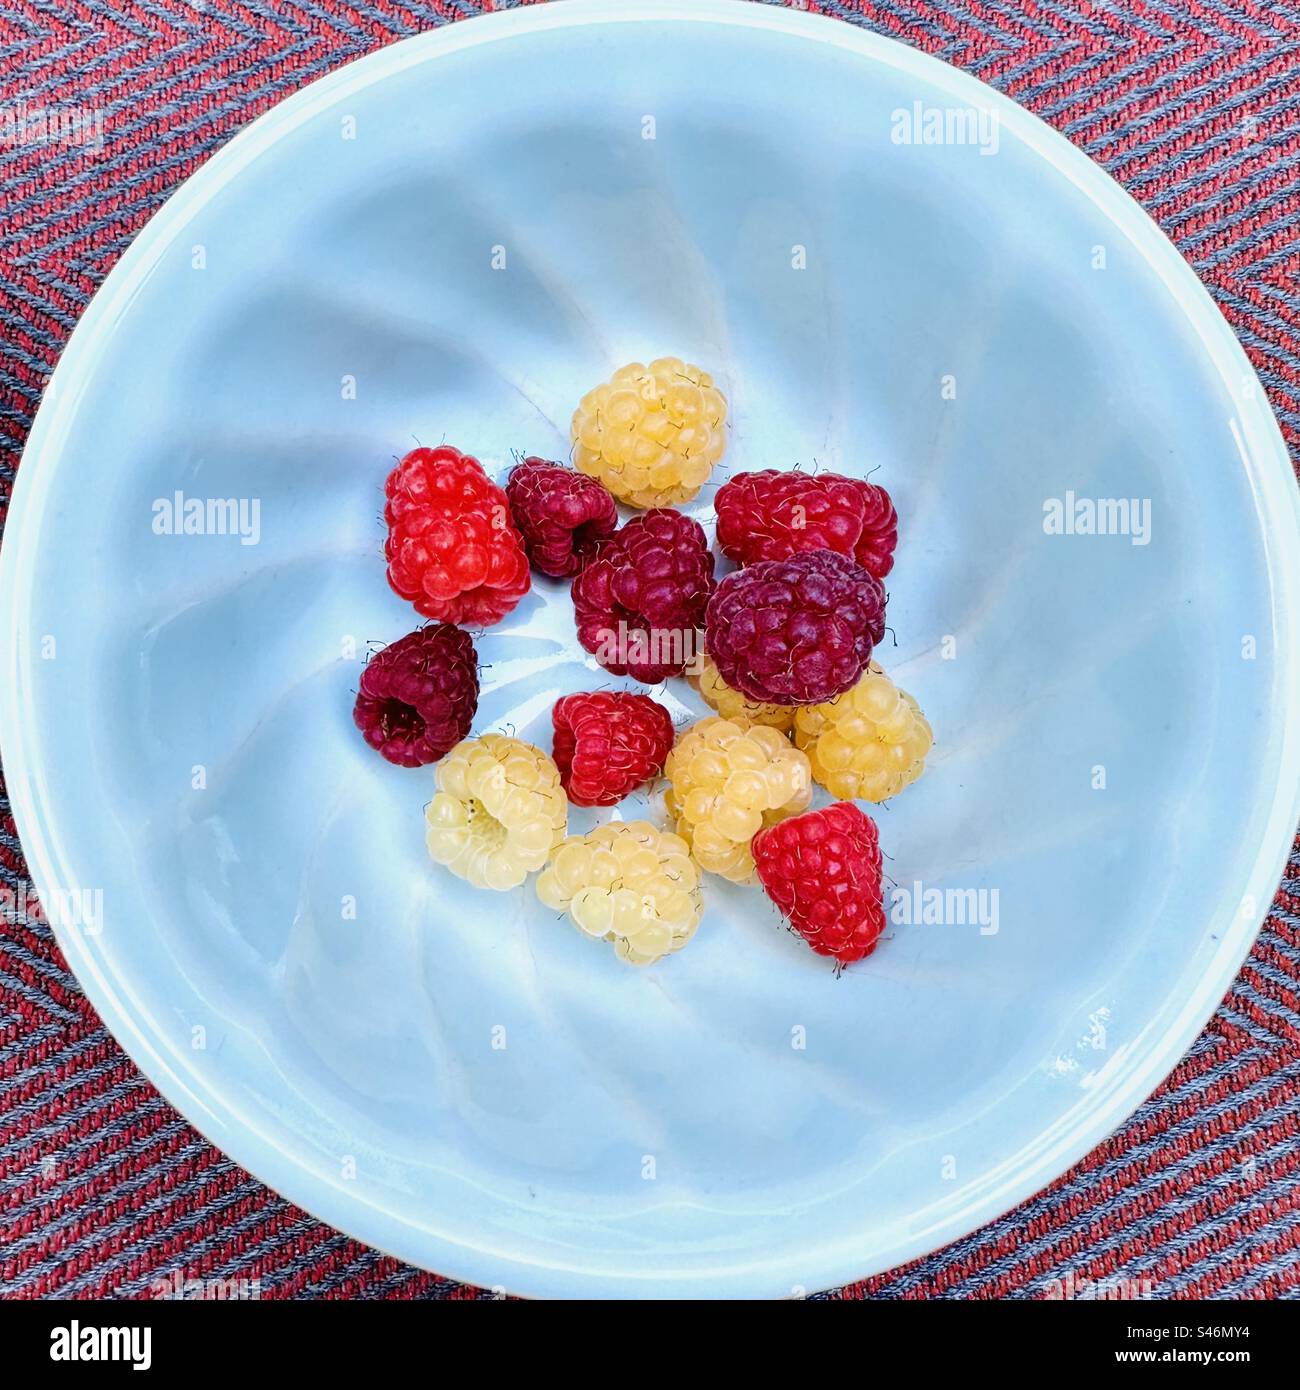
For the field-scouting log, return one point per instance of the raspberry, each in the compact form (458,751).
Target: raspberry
(870,742)
(651,434)
(628,883)
(726,784)
(772,515)
(822,870)
(608,744)
(418,695)
(796,631)
(562,515)
(640,600)
(731,704)
(452,548)
(498,812)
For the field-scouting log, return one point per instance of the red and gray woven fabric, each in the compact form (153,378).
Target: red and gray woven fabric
(1195,108)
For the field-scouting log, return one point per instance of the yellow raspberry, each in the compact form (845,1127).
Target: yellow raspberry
(732,705)
(726,783)
(498,812)
(628,883)
(651,434)
(870,742)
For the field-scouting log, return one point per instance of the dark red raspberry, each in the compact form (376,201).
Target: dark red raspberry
(452,547)
(418,696)
(772,515)
(561,514)
(796,631)
(608,744)
(822,869)
(640,600)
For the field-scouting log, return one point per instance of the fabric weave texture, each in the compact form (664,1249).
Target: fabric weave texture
(1193,107)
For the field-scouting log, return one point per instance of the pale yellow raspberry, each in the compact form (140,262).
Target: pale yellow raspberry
(498,812)
(726,783)
(731,704)
(629,883)
(870,742)
(651,434)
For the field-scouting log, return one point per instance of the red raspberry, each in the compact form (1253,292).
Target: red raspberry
(418,696)
(640,599)
(772,515)
(452,548)
(796,631)
(562,515)
(608,744)
(822,869)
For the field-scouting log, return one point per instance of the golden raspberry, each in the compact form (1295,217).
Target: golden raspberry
(731,704)
(498,812)
(870,742)
(726,783)
(651,434)
(628,883)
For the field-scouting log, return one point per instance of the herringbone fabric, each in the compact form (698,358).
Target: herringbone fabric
(1195,108)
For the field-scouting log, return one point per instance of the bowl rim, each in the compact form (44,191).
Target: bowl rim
(1263,454)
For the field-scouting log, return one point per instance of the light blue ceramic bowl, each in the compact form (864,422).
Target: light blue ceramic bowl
(986,322)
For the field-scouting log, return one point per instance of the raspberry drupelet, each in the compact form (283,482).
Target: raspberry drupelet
(452,546)
(418,695)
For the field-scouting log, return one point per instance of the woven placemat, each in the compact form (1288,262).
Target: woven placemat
(106,107)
